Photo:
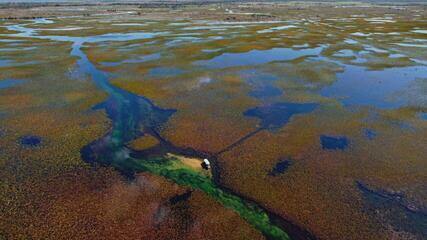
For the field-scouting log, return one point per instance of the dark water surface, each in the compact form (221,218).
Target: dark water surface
(30,141)
(334,142)
(281,167)
(276,115)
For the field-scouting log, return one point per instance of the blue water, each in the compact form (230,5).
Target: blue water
(275,116)
(422,115)
(281,167)
(10,83)
(30,141)
(256,57)
(357,86)
(117,37)
(131,114)
(6,63)
(42,21)
(334,142)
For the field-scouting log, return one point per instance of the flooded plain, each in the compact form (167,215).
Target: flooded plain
(314,128)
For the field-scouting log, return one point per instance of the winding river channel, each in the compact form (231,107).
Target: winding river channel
(133,116)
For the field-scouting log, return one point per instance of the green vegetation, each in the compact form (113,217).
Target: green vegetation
(177,172)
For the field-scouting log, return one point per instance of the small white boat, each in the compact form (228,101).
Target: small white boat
(206,164)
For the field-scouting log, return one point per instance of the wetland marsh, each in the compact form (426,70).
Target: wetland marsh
(313,121)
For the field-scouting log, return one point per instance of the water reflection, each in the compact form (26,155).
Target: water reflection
(256,57)
(359,86)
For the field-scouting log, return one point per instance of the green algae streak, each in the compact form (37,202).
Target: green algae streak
(181,174)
